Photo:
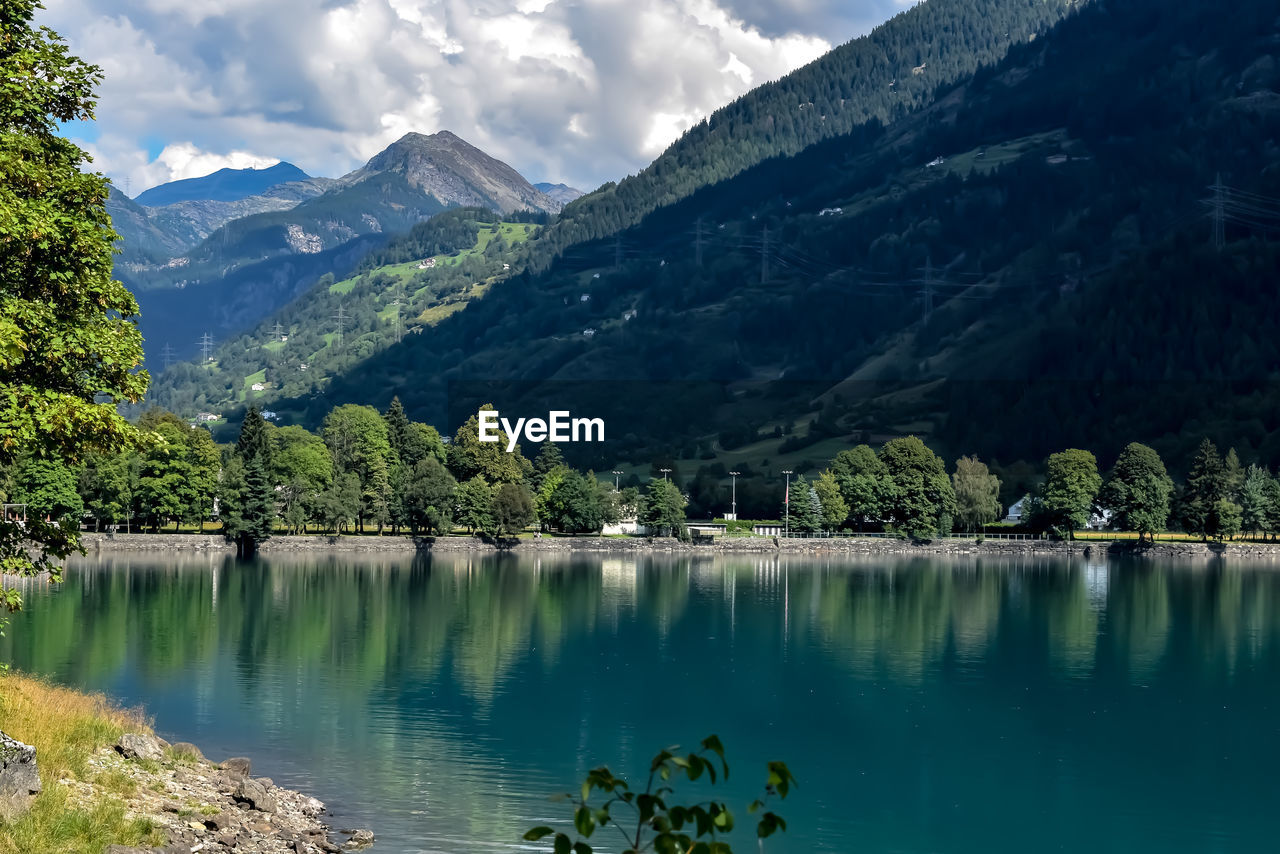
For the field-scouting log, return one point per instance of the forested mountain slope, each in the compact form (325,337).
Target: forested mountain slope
(1054,205)
(876,78)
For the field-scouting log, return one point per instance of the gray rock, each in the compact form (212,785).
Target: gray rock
(220,821)
(360,839)
(134,745)
(312,807)
(19,778)
(237,765)
(256,795)
(126,849)
(188,751)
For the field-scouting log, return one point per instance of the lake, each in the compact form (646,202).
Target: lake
(939,705)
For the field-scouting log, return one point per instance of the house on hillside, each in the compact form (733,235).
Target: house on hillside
(258,387)
(428,264)
(206,417)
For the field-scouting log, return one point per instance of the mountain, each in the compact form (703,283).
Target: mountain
(896,68)
(249,267)
(562,193)
(1020,265)
(455,173)
(225,185)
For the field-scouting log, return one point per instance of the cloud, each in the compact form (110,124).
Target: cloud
(582,91)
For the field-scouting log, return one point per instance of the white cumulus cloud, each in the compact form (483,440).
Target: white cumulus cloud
(581,91)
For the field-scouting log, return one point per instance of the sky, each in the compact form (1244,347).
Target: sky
(579,91)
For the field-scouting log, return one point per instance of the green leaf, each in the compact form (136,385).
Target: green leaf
(584,821)
(536,833)
(563,844)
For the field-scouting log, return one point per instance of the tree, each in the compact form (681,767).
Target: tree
(1227,519)
(512,508)
(1205,486)
(337,506)
(1233,474)
(48,488)
(1070,488)
(663,511)
(548,459)
(577,503)
(864,484)
(468,456)
(107,486)
(357,438)
(1255,500)
(428,497)
(921,500)
(302,465)
(69,343)
(834,508)
(652,820)
(248,497)
(977,493)
(254,443)
(1272,519)
(805,507)
(474,500)
(1138,491)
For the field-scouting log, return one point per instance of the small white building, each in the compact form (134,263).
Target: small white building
(588,332)
(205,417)
(428,264)
(1015,513)
(258,386)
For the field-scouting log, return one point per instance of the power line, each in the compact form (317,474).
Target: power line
(929,283)
(1218,208)
(279,331)
(206,347)
(764,256)
(166,355)
(341,316)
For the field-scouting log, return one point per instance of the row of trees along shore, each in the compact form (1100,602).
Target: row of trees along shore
(367,470)
(905,488)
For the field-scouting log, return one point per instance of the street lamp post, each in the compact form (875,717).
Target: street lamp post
(786,505)
(664,473)
(616,474)
(734,475)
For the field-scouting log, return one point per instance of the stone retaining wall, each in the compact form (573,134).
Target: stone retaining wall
(188,543)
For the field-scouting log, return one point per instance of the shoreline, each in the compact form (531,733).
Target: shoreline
(100,773)
(404,544)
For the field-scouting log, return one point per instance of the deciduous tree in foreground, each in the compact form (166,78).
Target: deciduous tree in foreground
(69,349)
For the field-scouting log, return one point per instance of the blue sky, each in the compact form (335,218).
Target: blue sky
(581,91)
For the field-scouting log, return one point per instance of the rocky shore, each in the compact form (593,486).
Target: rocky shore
(188,543)
(201,806)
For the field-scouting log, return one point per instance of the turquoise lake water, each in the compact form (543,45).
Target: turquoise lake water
(966,705)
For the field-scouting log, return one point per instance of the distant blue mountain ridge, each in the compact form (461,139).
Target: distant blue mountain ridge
(225,185)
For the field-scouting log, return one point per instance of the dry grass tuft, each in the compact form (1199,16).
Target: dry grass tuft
(67,727)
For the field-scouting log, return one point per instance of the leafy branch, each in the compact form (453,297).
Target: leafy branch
(650,820)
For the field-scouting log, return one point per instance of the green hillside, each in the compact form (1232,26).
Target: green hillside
(297,350)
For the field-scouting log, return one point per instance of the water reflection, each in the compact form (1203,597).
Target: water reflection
(973,704)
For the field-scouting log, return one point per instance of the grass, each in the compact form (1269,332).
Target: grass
(67,727)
